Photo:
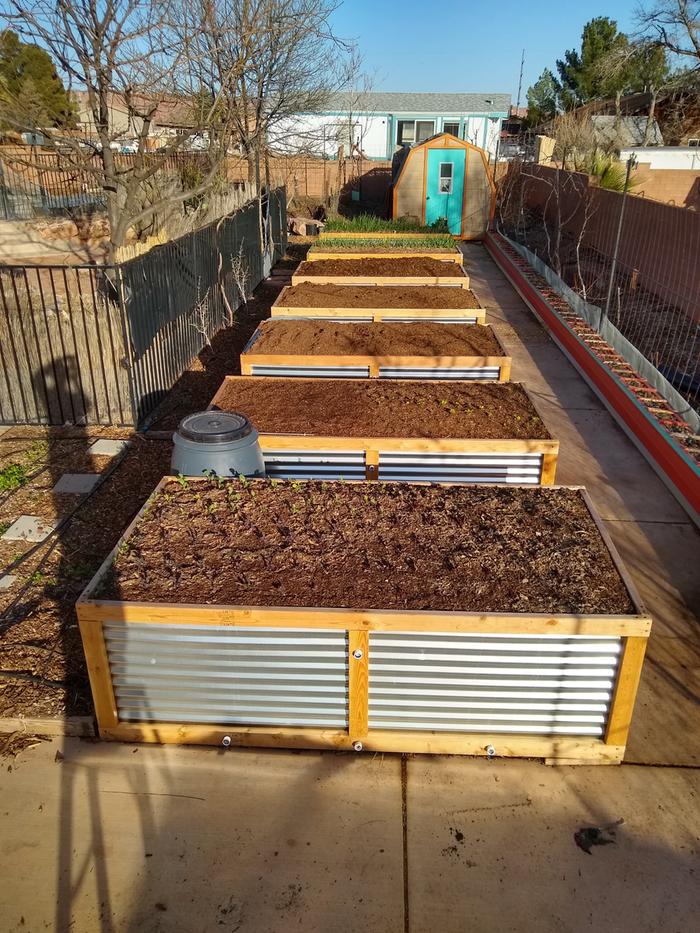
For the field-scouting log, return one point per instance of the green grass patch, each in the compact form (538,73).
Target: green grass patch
(358,244)
(12,476)
(368,223)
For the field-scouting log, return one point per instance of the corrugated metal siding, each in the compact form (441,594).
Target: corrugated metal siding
(491,683)
(219,674)
(461,467)
(440,372)
(333,372)
(315,464)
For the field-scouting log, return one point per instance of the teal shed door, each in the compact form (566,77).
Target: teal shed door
(445,187)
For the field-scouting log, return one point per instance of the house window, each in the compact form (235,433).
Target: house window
(414,131)
(445,184)
(694,143)
(451,127)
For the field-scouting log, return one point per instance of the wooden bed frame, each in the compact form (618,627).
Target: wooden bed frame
(374,447)
(290,361)
(397,313)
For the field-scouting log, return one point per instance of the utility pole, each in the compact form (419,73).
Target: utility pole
(520,82)
(630,165)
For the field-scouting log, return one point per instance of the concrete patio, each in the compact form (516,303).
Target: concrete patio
(122,838)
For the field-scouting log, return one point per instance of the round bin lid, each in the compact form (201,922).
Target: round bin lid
(214,427)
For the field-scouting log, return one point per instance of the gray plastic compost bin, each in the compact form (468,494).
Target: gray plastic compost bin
(219,442)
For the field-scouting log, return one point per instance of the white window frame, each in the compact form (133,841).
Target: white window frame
(449,178)
(694,142)
(415,123)
(446,123)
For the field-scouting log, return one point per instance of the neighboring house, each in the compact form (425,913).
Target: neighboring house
(665,158)
(376,124)
(624,131)
(172,117)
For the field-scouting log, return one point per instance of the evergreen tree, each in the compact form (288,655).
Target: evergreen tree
(542,99)
(32,94)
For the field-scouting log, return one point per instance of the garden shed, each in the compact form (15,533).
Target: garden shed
(446,177)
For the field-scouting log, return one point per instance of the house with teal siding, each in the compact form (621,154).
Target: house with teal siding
(376,124)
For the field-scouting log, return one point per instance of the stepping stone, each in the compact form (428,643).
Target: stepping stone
(29,528)
(7,580)
(107,448)
(76,483)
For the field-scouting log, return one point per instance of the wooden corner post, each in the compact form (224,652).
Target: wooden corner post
(625,692)
(358,684)
(98,671)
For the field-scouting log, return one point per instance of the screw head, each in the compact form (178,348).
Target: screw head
(357,746)
(490,751)
(226,741)
(357,654)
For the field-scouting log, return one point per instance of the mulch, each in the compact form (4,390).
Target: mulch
(384,408)
(368,545)
(299,337)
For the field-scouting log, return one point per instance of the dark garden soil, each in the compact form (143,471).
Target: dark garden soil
(368,545)
(327,338)
(384,408)
(402,265)
(308,295)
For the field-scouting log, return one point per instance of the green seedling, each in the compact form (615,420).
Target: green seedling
(12,477)
(39,579)
(4,526)
(182,481)
(243,480)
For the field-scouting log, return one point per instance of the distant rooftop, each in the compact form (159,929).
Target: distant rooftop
(389,102)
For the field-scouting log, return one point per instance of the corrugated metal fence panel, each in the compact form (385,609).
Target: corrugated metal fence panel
(533,684)
(440,372)
(315,464)
(219,674)
(333,372)
(460,467)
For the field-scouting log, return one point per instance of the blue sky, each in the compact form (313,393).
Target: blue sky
(414,45)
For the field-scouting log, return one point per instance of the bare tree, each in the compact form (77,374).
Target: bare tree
(675,26)
(123,58)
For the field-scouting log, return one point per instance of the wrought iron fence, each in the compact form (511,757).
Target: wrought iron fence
(104,344)
(636,260)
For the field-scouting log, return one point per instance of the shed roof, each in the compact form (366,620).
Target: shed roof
(410,102)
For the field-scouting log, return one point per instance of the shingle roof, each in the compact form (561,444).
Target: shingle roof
(389,102)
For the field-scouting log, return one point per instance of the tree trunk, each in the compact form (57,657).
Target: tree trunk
(650,117)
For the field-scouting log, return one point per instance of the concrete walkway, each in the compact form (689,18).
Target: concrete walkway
(658,543)
(122,838)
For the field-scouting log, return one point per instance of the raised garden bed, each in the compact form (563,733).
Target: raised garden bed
(385,617)
(381,303)
(418,431)
(399,270)
(432,247)
(407,351)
